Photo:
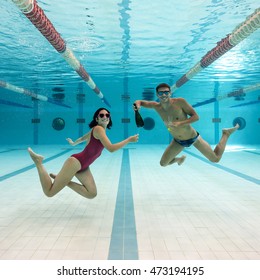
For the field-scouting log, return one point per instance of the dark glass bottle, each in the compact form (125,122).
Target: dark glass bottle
(138,118)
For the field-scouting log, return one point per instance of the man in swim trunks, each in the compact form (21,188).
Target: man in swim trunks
(178,116)
(78,164)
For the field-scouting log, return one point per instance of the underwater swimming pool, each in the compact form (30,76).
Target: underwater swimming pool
(200,210)
(127,52)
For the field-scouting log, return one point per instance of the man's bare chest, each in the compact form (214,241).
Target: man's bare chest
(172,114)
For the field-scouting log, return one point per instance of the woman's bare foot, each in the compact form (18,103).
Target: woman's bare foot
(229,131)
(181,160)
(35,157)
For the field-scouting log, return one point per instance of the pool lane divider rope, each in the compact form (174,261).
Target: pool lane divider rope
(24,91)
(36,15)
(24,169)
(123,244)
(242,31)
(235,93)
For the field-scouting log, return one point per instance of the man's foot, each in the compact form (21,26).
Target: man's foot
(181,160)
(35,157)
(229,131)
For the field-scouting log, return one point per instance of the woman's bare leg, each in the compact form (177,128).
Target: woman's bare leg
(87,188)
(45,180)
(215,155)
(69,169)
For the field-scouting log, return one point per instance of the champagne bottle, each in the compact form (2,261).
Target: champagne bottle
(138,118)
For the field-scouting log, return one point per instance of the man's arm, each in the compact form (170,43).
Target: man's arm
(189,110)
(145,104)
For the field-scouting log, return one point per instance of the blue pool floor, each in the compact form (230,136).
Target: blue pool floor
(197,211)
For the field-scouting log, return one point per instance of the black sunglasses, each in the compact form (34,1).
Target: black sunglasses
(160,93)
(102,115)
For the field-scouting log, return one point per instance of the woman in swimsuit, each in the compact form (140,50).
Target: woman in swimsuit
(78,164)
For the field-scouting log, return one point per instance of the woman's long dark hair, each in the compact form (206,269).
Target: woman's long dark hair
(94,122)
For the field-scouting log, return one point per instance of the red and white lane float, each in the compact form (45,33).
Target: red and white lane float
(242,31)
(36,15)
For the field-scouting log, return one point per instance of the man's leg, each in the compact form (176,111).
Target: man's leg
(169,156)
(215,155)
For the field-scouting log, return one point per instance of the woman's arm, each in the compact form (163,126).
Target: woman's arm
(100,133)
(79,140)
